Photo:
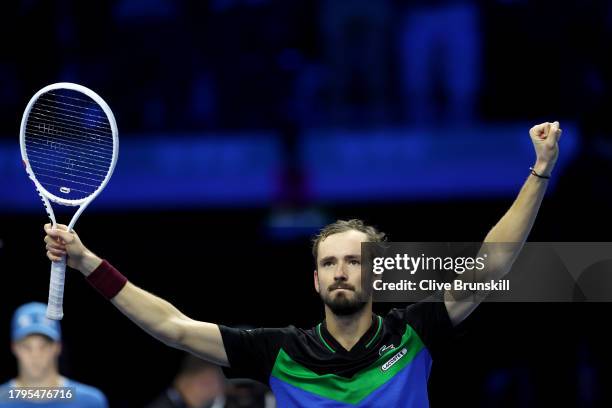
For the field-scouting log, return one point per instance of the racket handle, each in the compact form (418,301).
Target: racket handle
(56,290)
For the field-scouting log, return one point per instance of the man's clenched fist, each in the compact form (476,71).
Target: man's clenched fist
(545,138)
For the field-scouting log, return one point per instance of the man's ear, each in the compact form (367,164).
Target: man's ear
(316,281)
(14,348)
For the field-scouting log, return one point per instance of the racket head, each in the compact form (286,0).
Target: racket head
(69,143)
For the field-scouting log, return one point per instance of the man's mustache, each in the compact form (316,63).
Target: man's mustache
(341,285)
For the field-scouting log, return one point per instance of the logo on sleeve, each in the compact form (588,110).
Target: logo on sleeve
(394,359)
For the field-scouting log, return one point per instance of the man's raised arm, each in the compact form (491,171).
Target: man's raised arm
(514,227)
(153,314)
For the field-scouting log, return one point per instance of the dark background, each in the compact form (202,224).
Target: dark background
(287,67)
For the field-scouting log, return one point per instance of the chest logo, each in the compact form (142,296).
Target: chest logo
(394,359)
(385,348)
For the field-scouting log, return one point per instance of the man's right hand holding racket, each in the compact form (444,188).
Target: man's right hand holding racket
(153,314)
(60,242)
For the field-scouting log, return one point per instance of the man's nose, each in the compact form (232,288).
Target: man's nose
(340,272)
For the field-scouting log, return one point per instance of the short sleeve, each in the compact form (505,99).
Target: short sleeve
(431,322)
(251,353)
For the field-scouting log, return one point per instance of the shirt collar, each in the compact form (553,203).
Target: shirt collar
(365,342)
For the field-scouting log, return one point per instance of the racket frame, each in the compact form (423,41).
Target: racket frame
(45,194)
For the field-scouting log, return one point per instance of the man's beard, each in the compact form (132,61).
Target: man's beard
(343,305)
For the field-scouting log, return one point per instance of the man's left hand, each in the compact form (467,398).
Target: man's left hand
(545,138)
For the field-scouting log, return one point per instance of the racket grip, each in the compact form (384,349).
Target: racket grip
(56,290)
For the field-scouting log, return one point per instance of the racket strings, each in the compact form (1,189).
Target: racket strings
(100,171)
(56,141)
(43,169)
(93,107)
(94,136)
(100,165)
(63,116)
(65,138)
(69,143)
(56,104)
(82,113)
(61,171)
(67,117)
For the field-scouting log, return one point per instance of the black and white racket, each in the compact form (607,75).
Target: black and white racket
(69,146)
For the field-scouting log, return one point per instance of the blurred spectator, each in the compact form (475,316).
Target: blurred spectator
(356,45)
(36,343)
(440,60)
(198,384)
(158,77)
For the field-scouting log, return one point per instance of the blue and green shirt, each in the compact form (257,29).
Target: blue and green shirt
(389,366)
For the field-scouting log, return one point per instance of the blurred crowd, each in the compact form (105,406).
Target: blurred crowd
(225,64)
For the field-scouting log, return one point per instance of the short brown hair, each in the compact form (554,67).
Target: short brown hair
(374,235)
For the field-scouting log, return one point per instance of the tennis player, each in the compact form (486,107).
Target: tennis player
(36,343)
(354,356)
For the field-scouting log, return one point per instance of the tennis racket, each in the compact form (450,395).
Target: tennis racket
(69,146)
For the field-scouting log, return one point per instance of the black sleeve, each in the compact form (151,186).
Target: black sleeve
(251,352)
(431,322)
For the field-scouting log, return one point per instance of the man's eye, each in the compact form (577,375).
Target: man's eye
(355,262)
(327,263)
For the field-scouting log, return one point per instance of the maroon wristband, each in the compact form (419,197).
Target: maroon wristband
(107,280)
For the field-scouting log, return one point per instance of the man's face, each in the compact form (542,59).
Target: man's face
(338,273)
(36,356)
